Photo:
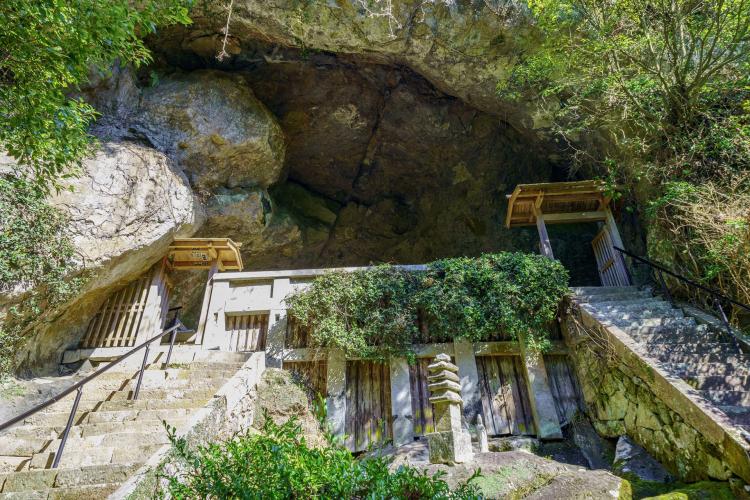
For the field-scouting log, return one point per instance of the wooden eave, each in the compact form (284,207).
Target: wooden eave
(201,253)
(560,202)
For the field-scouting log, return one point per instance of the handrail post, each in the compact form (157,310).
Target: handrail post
(171,346)
(140,374)
(71,418)
(664,287)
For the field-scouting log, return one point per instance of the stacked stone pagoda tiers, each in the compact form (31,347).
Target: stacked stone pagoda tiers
(450,443)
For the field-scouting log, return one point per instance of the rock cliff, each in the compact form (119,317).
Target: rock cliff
(334,133)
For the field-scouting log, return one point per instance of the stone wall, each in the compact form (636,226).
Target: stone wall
(627,395)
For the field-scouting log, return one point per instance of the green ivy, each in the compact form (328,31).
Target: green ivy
(383,311)
(36,259)
(278,464)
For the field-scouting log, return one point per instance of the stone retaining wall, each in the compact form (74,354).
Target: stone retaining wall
(626,394)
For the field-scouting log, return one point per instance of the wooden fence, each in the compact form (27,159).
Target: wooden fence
(247,332)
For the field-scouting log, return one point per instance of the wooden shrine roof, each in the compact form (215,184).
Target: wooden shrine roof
(560,202)
(201,253)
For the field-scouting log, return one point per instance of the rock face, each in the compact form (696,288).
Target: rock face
(463,48)
(630,458)
(213,124)
(125,209)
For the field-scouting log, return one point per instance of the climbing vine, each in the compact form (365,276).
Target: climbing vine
(382,311)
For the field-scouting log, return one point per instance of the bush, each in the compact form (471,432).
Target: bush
(381,312)
(279,464)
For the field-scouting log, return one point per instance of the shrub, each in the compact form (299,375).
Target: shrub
(380,312)
(278,464)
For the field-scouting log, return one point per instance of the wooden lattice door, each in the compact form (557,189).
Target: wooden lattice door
(122,316)
(609,262)
(247,332)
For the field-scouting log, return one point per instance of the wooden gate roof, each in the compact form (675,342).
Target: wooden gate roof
(560,202)
(201,253)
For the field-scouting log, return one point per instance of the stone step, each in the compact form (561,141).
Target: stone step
(646,331)
(89,491)
(699,348)
(168,374)
(134,437)
(162,394)
(728,398)
(120,454)
(85,417)
(614,296)
(693,361)
(215,357)
(678,335)
(630,305)
(709,370)
(639,318)
(719,383)
(151,404)
(207,366)
(44,479)
(655,321)
(741,419)
(35,439)
(594,290)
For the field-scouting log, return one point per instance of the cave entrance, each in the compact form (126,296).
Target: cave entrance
(572,203)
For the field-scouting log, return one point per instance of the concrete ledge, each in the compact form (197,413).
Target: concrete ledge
(205,426)
(677,395)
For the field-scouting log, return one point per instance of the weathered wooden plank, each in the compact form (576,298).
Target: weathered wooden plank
(510,392)
(351,407)
(523,403)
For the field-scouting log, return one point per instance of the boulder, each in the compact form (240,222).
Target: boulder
(212,123)
(631,458)
(125,209)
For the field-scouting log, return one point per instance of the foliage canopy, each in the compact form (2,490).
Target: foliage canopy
(278,464)
(653,95)
(380,312)
(48,48)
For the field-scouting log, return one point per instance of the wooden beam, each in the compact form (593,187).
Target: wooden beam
(511,202)
(558,218)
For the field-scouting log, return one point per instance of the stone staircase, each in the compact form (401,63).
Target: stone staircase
(112,435)
(706,357)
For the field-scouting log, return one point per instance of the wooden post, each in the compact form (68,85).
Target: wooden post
(403,421)
(336,392)
(544,243)
(206,303)
(540,395)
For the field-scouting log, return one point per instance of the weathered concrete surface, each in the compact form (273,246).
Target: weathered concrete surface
(628,395)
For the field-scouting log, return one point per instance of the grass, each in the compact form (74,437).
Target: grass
(10,389)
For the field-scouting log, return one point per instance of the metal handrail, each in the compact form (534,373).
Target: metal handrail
(718,297)
(78,386)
